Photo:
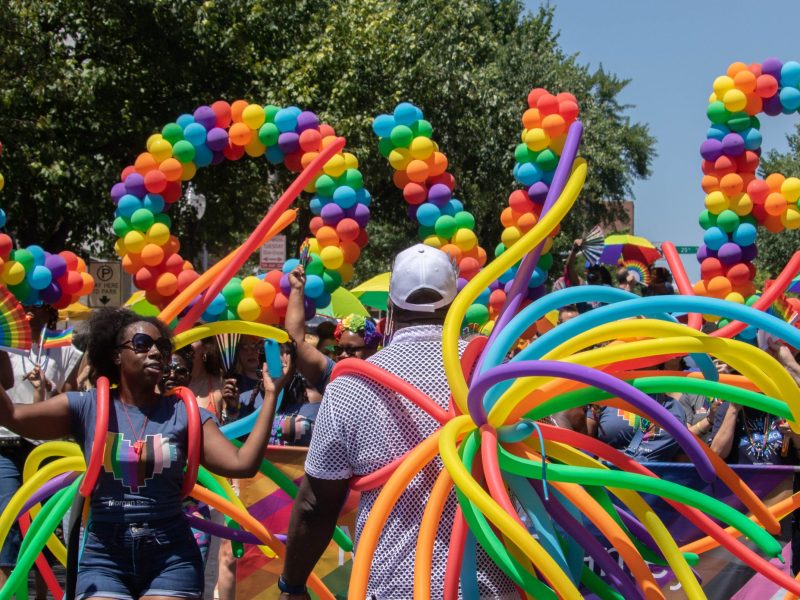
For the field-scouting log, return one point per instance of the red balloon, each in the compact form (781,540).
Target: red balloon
(233,152)
(274,279)
(315,224)
(145,278)
(415,193)
(534,95)
(222,110)
(155,181)
(186,278)
(348,230)
(310,140)
(172,192)
(70,258)
(519,201)
(6,245)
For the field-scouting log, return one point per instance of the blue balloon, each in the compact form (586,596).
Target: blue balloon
(455,205)
(790,99)
(2,218)
(217,306)
(290,265)
(274,155)
(714,237)
(314,286)
(790,74)
(528,174)
(427,214)
(203,156)
(323,300)
(127,205)
(483,297)
(717,132)
(154,203)
(39,256)
(405,113)
(195,134)
(537,278)
(286,119)
(363,197)
(383,125)
(507,276)
(40,277)
(184,120)
(315,205)
(745,234)
(752,138)
(345,196)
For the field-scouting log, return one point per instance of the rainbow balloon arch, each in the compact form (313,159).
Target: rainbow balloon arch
(569,486)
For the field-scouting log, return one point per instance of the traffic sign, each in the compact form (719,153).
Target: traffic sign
(273,253)
(107,283)
(687,249)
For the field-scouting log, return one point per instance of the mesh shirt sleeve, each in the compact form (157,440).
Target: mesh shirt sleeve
(327,454)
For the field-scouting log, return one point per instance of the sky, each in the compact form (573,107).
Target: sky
(672,51)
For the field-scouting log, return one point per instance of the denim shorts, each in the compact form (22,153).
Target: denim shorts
(12,460)
(130,560)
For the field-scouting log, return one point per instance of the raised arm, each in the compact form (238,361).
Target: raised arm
(46,420)
(223,458)
(569,266)
(310,362)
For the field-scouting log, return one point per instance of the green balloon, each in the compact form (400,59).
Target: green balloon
(331,280)
(523,154)
(499,249)
(477,314)
(352,178)
(739,121)
(121,226)
(164,219)
(268,134)
(707,219)
(547,159)
(385,147)
(172,132)
(752,299)
(326,185)
(183,151)
(270,110)
(445,226)
(749,219)
(717,113)
(233,292)
(545,262)
(424,231)
(728,221)
(24,257)
(754,122)
(314,266)
(401,136)
(21,291)
(465,220)
(423,128)
(142,219)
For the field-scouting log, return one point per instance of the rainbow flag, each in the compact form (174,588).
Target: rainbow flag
(57,338)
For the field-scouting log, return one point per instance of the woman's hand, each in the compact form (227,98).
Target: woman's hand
(41,385)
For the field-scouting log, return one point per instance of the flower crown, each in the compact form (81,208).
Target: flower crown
(363,326)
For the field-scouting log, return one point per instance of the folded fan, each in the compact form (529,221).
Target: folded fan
(227,343)
(592,245)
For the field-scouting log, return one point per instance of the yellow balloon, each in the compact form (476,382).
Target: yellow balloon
(735,100)
(350,160)
(152,140)
(434,241)
(399,158)
(465,239)
(421,147)
(161,150)
(134,241)
(189,170)
(335,166)
(510,236)
(346,272)
(536,139)
(248,309)
(722,85)
(249,283)
(332,257)
(158,234)
(716,202)
(241,327)
(13,272)
(253,116)
(2,182)
(255,148)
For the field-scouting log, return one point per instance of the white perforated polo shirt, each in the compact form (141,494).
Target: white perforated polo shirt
(363,426)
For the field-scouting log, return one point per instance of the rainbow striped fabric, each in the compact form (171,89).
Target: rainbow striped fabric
(57,338)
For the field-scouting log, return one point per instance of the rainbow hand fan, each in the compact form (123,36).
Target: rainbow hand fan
(15,332)
(639,271)
(592,246)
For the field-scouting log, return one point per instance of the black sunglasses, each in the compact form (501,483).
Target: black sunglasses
(141,342)
(179,370)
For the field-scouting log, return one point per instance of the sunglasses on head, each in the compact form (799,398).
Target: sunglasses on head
(141,343)
(179,370)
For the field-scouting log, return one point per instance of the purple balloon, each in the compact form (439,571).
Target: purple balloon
(306,120)
(772,66)
(733,145)
(495,285)
(284,284)
(48,489)
(439,194)
(134,184)
(507,286)
(703,253)
(220,530)
(205,116)
(711,149)
(411,211)
(289,142)
(56,264)
(118,191)
(538,192)
(359,213)
(309,307)
(51,293)
(218,156)
(217,138)
(460,283)
(772,105)
(536,293)
(730,253)
(332,213)
(749,253)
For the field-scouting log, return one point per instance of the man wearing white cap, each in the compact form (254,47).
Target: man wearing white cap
(363,426)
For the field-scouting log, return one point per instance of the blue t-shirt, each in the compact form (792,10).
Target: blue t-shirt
(294,424)
(135,487)
(618,428)
(756,437)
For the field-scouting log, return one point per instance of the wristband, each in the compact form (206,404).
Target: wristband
(291,589)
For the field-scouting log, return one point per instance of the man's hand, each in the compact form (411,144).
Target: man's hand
(297,278)
(230,395)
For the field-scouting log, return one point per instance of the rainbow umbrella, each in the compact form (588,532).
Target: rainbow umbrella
(628,247)
(374,292)
(343,303)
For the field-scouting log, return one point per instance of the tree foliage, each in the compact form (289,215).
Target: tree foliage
(83,84)
(774,251)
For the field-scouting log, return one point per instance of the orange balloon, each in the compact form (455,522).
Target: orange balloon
(437,164)
(237,108)
(145,163)
(351,252)
(167,284)
(417,170)
(776,204)
(709,184)
(731,184)
(172,169)
(719,286)
(532,118)
(327,236)
(775,181)
(152,255)
(526,222)
(240,134)
(263,293)
(554,125)
(453,251)
(88,284)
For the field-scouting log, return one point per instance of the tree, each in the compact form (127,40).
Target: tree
(775,250)
(83,84)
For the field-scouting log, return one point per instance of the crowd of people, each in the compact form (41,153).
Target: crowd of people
(135,545)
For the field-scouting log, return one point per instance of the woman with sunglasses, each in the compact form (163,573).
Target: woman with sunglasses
(137,545)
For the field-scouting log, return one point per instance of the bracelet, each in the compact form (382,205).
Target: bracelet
(291,589)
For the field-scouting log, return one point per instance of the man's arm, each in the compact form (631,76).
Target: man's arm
(6,371)
(722,442)
(314,513)
(569,266)
(310,362)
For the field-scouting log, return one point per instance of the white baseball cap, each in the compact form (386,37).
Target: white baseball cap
(422,267)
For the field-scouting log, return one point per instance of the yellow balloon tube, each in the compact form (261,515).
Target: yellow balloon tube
(243,327)
(455,316)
